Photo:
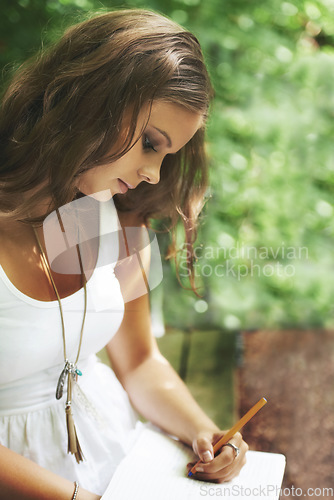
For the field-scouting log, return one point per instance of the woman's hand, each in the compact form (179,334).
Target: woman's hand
(225,465)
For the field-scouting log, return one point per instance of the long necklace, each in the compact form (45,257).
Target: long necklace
(70,369)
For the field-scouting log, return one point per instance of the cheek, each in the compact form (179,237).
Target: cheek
(92,180)
(99,174)
(99,178)
(128,163)
(91,185)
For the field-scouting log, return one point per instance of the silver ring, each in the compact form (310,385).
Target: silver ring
(235,448)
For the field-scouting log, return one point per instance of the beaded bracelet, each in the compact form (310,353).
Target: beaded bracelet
(76,490)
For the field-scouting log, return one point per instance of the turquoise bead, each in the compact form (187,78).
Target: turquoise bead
(78,372)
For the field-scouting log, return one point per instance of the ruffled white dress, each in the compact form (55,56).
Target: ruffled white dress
(32,421)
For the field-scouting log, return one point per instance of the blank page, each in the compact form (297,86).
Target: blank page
(155,469)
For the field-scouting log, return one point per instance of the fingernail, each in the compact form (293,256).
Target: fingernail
(207,456)
(199,469)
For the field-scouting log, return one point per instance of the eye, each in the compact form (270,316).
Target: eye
(147,144)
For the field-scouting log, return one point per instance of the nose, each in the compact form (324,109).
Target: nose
(150,173)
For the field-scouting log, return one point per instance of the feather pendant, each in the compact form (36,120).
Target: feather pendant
(73,442)
(61,382)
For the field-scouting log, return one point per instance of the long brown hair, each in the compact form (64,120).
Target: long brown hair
(65,108)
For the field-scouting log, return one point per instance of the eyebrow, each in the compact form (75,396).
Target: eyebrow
(165,135)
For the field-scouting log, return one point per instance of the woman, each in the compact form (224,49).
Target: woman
(112,115)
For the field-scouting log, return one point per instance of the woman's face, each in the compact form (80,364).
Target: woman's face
(169,128)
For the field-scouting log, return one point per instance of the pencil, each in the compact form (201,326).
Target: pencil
(223,440)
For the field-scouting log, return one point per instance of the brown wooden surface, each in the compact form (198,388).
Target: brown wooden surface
(294,370)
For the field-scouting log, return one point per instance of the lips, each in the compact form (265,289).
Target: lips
(122,186)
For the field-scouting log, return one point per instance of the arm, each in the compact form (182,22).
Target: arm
(159,394)
(153,386)
(22,479)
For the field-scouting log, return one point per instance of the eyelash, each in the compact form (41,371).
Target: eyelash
(147,144)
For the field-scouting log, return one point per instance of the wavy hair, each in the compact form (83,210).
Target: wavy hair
(65,107)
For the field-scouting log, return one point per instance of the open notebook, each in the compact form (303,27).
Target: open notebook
(155,469)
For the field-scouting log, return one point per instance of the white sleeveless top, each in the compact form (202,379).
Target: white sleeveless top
(32,421)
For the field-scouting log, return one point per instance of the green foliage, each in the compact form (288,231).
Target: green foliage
(265,247)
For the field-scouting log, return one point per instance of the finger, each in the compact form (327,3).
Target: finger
(237,439)
(221,476)
(212,478)
(234,470)
(204,449)
(217,464)
(226,459)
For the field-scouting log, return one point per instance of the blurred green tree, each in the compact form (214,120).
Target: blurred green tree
(265,247)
